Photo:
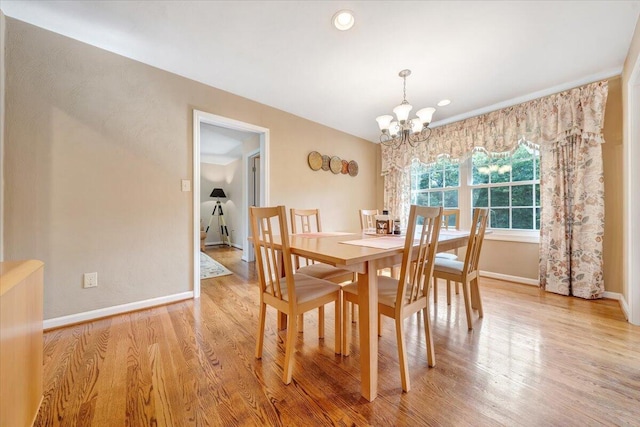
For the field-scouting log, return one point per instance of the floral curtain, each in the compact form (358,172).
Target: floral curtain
(567,127)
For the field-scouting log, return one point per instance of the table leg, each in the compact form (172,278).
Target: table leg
(368,324)
(282,321)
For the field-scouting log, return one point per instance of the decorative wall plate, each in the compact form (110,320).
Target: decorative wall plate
(353,168)
(345,167)
(325,162)
(315,160)
(335,164)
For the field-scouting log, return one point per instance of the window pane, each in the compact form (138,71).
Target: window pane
(422,199)
(537,168)
(537,218)
(499,196)
(500,170)
(451,199)
(480,198)
(435,199)
(437,177)
(499,218)
(452,176)
(522,195)
(522,164)
(522,218)
(537,194)
(480,162)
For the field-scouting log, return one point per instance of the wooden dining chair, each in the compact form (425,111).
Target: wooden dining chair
(467,271)
(450,220)
(368,219)
(280,288)
(308,221)
(400,298)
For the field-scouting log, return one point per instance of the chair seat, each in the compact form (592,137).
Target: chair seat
(387,290)
(448,266)
(322,271)
(446,255)
(309,288)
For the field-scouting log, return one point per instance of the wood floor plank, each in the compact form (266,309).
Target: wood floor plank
(534,359)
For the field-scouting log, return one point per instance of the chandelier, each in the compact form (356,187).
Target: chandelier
(397,132)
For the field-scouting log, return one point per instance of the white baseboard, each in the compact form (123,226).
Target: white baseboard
(86,316)
(235,245)
(623,303)
(508,278)
(524,280)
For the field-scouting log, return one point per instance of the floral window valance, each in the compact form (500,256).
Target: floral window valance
(543,121)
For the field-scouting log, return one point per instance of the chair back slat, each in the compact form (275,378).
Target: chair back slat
(303,221)
(274,271)
(451,219)
(476,238)
(368,219)
(424,226)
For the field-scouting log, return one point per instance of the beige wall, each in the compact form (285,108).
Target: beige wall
(96,146)
(613,189)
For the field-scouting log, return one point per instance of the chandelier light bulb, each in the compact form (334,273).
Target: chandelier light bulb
(426,114)
(402,112)
(412,131)
(384,122)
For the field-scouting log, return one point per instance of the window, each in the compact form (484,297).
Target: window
(436,184)
(510,187)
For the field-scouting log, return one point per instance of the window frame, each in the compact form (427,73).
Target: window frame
(465,189)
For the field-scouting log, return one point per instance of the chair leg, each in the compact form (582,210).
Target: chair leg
(301,323)
(338,321)
(379,324)
(467,303)
(353,313)
(290,346)
(435,290)
(476,287)
(457,288)
(402,356)
(345,324)
(321,322)
(261,322)
(431,355)
(448,292)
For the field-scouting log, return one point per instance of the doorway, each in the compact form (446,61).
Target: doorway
(262,188)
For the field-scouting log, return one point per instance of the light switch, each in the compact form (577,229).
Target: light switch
(186,185)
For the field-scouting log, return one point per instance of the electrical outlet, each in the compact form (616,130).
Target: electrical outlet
(90,280)
(186,185)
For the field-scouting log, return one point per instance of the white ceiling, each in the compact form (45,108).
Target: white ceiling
(286,54)
(221,146)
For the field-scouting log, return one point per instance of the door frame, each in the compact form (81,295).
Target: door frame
(631,182)
(200,117)
(248,254)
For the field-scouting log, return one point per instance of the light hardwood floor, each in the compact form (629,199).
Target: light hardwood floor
(534,359)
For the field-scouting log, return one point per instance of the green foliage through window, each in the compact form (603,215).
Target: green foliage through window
(436,184)
(510,187)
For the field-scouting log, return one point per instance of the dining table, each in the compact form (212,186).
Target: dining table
(364,254)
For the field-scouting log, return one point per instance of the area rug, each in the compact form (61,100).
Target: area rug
(211,268)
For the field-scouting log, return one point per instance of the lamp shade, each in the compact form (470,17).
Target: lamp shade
(218,192)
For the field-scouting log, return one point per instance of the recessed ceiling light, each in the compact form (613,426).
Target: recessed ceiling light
(444,102)
(343,20)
